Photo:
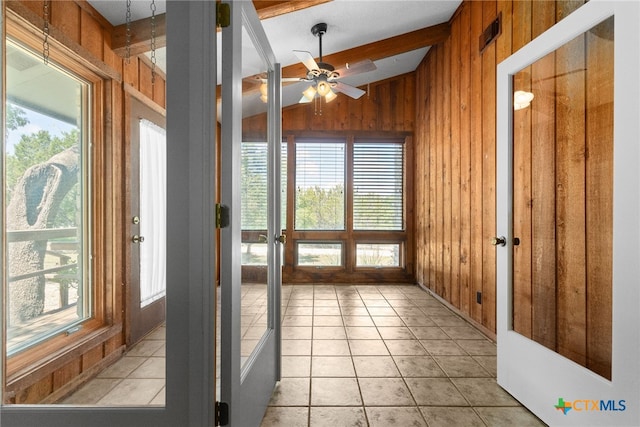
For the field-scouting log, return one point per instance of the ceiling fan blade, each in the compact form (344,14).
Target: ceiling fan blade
(306,58)
(351,91)
(356,68)
(292,79)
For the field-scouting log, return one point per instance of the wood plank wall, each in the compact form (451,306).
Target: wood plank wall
(563,187)
(80,29)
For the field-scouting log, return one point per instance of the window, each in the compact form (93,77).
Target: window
(348,209)
(47,205)
(320,185)
(378,186)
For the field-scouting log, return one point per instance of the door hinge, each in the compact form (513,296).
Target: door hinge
(222,414)
(223,15)
(222,216)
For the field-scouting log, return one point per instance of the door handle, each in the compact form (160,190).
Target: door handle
(282,239)
(498,241)
(137,239)
(262,238)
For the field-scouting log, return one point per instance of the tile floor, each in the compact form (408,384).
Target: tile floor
(384,356)
(353,356)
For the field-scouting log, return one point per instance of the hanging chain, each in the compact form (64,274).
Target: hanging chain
(153,41)
(128,41)
(45,31)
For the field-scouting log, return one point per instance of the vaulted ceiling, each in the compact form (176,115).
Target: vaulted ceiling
(395,34)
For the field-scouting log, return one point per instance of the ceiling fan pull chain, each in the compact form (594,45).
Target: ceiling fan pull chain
(153,42)
(128,33)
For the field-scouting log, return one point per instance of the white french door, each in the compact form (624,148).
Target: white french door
(572,94)
(250,306)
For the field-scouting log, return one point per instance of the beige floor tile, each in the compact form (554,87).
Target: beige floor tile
(291,392)
(489,363)
(294,310)
(145,348)
(452,416)
(362,333)
(335,392)
(435,392)
(375,366)
(395,333)
(285,417)
(153,367)
(160,398)
(357,321)
(92,392)
(296,366)
(400,417)
(327,320)
(448,320)
(160,333)
(409,311)
(418,366)
(354,303)
(405,347)
(461,366)
(368,348)
(382,321)
(331,348)
(385,392)
(325,303)
(332,366)
(326,311)
(329,333)
(161,352)
(507,417)
(484,392)
(300,302)
(337,417)
(296,332)
(296,347)
(131,391)
(443,348)
(422,320)
(400,302)
(123,367)
(381,311)
(297,321)
(354,311)
(462,333)
(478,347)
(429,333)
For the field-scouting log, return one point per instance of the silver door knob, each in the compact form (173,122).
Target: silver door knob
(137,239)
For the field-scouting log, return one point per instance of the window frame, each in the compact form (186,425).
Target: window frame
(349,272)
(52,352)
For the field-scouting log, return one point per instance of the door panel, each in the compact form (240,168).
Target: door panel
(565,348)
(146,219)
(250,305)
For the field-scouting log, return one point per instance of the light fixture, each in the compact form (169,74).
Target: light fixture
(263,92)
(330,96)
(323,88)
(310,93)
(521,99)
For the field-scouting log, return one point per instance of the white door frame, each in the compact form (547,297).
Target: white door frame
(533,374)
(191,95)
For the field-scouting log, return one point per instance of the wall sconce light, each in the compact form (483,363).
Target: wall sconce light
(522,99)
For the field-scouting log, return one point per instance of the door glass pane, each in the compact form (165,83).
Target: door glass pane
(320,254)
(254,202)
(48,286)
(563,217)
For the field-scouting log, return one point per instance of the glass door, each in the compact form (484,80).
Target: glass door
(568,236)
(251,240)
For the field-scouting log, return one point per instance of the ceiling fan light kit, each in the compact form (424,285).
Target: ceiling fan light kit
(324,77)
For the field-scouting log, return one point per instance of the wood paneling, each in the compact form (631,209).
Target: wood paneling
(562,162)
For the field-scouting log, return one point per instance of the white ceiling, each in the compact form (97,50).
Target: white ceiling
(351,23)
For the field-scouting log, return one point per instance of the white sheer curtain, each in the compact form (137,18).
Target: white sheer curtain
(153,216)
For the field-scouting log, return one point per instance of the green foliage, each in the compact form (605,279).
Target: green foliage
(16,117)
(320,209)
(36,148)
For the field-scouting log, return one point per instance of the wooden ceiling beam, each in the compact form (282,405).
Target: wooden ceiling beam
(381,49)
(141,29)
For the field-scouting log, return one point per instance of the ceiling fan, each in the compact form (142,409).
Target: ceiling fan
(324,77)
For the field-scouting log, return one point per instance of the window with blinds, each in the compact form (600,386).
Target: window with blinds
(254,186)
(378,170)
(320,172)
